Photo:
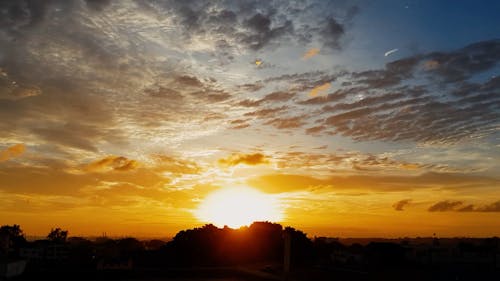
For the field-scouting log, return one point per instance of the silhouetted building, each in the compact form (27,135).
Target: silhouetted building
(44,250)
(32,253)
(12,268)
(115,264)
(4,244)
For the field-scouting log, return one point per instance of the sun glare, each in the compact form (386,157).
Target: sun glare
(238,206)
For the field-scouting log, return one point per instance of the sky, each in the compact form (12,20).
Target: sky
(358,118)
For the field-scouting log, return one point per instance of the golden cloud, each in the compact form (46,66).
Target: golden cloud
(248,159)
(318,89)
(410,166)
(310,53)
(112,163)
(12,151)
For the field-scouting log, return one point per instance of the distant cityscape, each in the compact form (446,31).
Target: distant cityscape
(256,252)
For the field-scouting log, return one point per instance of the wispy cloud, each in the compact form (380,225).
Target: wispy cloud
(390,52)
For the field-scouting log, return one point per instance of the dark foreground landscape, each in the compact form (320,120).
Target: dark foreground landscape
(262,251)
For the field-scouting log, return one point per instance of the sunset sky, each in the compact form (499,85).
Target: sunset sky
(354,118)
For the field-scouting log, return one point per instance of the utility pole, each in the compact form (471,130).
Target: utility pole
(286,259)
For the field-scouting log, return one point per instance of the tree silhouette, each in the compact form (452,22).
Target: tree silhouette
(302,247)
(11,236)
(12,231)
(259,242)
(58,235)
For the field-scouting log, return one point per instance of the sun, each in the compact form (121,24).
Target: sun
(238,206)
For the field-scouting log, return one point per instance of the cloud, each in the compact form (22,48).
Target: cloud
(315,130)
(333,97)
(64,177)
(319,89)
(278,96)
(388,53)
(461,64)
(112,163)
(175,165)
(114,92)
(64,115)
(348,161)
(261,32)
(466,208)
(400,102)
(400,205)
(274,97)
(248,159)
(266,112)
(321,147)
(161,92)
(394,73)
(251,87)
(250,103)
(22,14)
(52,180)
(287,122)
(70,134)
(278,183)
(431,64)
(240,126)
(97,5)
(80,89)
(253,25)
(12,151)
(411,166)
(310,53)
(444,206)
(332,33)
(12,90)
(188,81)
(492,207)
(215,96)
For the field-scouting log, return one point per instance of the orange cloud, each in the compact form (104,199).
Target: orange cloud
(410,166)
(12,151)
(109,163)
(318,89)
(248,159)
(310,53)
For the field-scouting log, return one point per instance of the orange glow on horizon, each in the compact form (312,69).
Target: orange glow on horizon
(237,207)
